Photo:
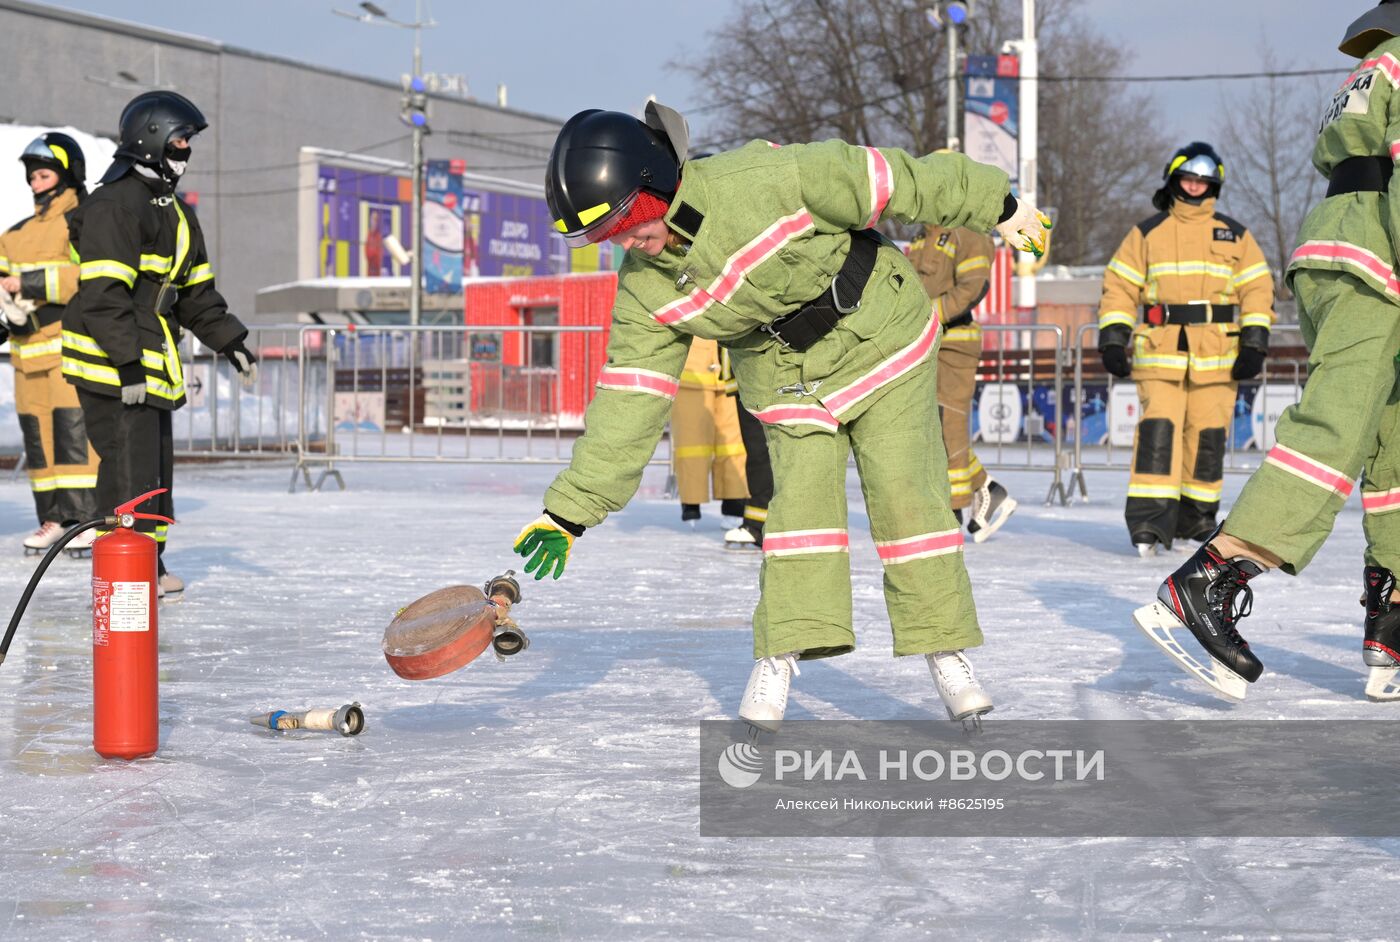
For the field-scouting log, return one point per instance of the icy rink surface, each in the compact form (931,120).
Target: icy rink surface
(555,797)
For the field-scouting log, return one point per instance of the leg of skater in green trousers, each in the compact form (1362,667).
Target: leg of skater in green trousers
(903,471)
(805,586)
(1289,505)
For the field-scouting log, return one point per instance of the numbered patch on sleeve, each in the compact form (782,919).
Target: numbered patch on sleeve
(1352,98)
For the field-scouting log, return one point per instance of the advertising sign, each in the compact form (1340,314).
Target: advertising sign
(444,231)
(992,112)
(358,209)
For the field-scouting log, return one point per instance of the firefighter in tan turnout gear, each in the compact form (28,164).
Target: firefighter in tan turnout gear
(955,266)
(37,278)
(705,440)
(1190,291)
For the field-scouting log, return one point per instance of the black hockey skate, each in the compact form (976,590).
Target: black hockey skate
(1381,649)
(1208,595)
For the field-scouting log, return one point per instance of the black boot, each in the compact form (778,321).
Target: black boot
(1202,595)
(690,512)
(1382,645)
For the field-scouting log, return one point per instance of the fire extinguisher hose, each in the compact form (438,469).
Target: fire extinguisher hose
(49,557)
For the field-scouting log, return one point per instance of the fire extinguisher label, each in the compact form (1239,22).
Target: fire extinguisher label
(131,606)
(101,611)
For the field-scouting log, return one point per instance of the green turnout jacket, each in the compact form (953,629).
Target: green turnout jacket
(768,227)
(1354,232)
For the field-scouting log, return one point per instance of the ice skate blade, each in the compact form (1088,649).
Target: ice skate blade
(1381,686)
(972,720)
(1158,623)
(1003,514)
(740,546)
(1146,550)
(80,554)
(761,726)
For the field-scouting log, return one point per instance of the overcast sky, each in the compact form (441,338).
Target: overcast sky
(558,57)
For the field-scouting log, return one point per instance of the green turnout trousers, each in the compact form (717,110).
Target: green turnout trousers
(805,604)
(1347,421)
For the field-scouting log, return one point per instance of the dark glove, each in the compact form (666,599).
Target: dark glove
(1115,360)
(1248,363)
(4,331)
(243,361)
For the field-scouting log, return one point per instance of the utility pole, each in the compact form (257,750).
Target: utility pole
(953,143)
(1030,98)
(415,291)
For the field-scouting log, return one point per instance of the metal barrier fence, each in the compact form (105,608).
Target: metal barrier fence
(417,394)
(1286,361)
(328,395)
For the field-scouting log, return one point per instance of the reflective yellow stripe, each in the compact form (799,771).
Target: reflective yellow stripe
(108,268)
(960,488)
(83,344)
(1257,319)
(62,482)
(586,216)
(696,451)
(172,355)
(160,264)
(51,284)
(1108,318)
(1127,272)
(1208,493)
(759,514)
(1181,269)
(1212,363)
(182,239)
(199,274)
(731,449)
(93,373)
(1154,490)
(1166,361)
(4,265)
(977,261)
(1245,276)
(704,379)
(967,332)
(962,474)
(41,348)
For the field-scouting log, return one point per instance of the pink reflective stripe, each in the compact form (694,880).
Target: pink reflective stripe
(881,184)
(1355,256)
(919,547)
(797,415)
(739,265)
(1381,501)
(647,381)
(1386,63)
(1309,470)
(773,144)
(805,541)
(1395,150)
(891,369)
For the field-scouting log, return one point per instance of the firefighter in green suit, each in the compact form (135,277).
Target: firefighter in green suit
(1347,425)
(770,251)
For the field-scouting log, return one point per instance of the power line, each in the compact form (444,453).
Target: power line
(720,143)
(358,150)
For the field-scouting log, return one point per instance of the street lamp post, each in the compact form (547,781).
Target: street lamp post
(1028,49)
(415,116)
(952,14)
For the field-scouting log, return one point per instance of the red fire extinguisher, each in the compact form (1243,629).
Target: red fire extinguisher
(126,704)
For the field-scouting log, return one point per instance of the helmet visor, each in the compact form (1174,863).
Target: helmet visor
(597,222)
(1201,166)
(39,149)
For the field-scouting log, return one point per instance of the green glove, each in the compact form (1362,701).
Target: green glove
(547,545)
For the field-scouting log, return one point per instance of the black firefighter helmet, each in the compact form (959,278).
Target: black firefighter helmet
(56,151)
(1371,29)
(602,160)
(1197,159)
(148,123)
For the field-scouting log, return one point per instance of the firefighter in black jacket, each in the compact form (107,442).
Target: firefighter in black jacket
(143,277)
